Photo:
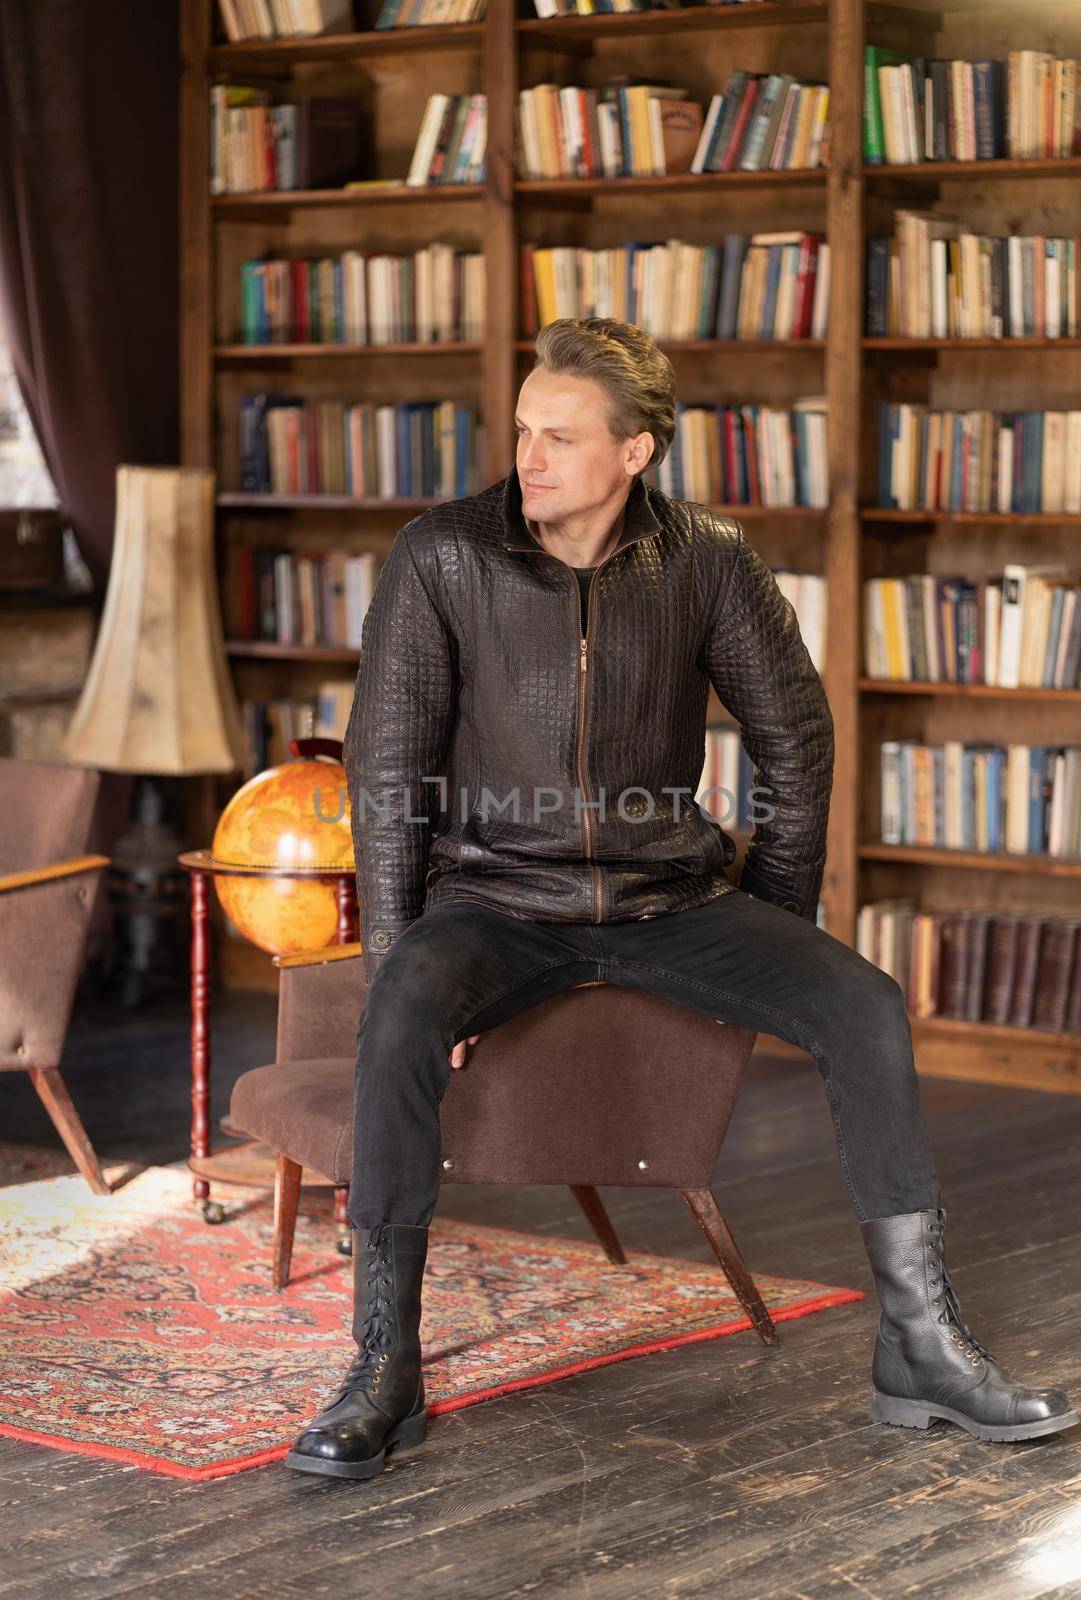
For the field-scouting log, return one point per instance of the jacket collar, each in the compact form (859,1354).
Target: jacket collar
(640,520)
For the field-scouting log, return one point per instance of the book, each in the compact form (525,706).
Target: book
(284,19)
(418,449)
(1023,106)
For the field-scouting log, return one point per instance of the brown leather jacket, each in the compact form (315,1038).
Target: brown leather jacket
(562,769)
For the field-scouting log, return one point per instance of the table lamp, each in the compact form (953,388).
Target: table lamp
(158,701)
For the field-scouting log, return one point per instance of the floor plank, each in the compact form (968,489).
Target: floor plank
(722,1467)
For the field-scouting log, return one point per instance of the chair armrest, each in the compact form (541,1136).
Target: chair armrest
(309,958)
(320,998)
(55,869)
(43,937)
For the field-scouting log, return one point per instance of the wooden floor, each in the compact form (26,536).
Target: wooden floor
(719,1469)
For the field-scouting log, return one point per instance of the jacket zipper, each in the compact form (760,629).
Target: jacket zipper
(583,711)
(582,706)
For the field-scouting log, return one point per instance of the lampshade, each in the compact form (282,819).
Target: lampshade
(158,697)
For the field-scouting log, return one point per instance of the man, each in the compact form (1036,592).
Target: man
(523,751)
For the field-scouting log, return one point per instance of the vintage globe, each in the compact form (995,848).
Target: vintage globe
(294,815)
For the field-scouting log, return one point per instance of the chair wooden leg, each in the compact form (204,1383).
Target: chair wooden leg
(707,1214)
(599,1220)
(53,1093)
(286,1199)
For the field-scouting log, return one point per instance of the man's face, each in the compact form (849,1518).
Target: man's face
(568,463)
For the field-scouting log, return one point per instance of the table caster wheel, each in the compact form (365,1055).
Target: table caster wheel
(344,1245)
(213,1211)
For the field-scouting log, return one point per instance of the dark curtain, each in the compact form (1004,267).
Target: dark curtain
(88,240)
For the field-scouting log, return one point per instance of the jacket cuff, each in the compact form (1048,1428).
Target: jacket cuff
(752,884)
(376,939)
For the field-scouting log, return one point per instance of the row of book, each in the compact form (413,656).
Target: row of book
(1022,629)
(320,596)
(284,19)
(305,597)
(1024,107)
(257,145)
(761,121)
(749,455)
(451,144)
(433,296)
(270,724)
(765,121)
(425,449)
(994,461)
(934,279)
(727,780)
(1015,799)
(429,13)
(749,286)
(807,593)
(1012,968)
(620,129)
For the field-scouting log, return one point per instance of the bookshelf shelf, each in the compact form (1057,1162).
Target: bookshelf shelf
(223,59)
(972,691)
(979,860)
(55,598)
(961,1031)
(771,513)
(269,650)
(343,502)
(918,346)
(263,354)
(961,519)
(318,502)
(553,190)
(973,171)
(259,201)
(721,347)
(652,24)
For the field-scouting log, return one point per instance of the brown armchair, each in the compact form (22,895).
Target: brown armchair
(47,888)
(595,1085)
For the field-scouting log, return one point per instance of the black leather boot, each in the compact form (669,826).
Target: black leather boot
(926,1362)
(380,1402)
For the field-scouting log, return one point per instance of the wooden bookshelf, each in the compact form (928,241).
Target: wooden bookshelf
(872,515)
(393,72)
(260,354)
(926,173)
(981,861)
(565,32)
(975,691)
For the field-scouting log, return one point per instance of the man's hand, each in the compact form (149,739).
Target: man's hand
(457,1055)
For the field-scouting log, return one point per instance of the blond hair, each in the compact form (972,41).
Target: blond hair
(638,377)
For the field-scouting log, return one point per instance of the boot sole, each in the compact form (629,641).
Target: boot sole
(921,1413)
(405,1435)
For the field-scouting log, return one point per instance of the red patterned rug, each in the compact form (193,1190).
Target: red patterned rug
(25,1163)
(131,1329)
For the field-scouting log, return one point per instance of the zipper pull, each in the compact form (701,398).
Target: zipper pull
(583,655)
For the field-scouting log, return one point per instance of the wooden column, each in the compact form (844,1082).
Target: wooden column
(844,370)
(196,281)
(499,389)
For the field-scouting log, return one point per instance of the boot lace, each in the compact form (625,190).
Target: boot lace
(379,1330)
(947,1298)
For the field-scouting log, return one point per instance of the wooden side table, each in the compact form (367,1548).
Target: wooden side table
(242,1163)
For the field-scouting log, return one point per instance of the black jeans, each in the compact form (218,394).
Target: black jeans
(463,969)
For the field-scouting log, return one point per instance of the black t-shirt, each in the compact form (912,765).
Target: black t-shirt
(583,574)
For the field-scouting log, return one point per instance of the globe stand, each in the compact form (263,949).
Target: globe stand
(250,1163)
